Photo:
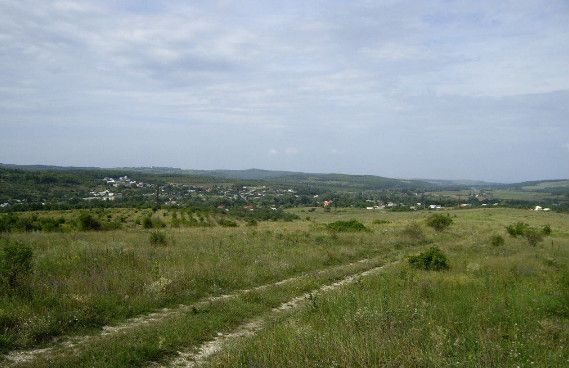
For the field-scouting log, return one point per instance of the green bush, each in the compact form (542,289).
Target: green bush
(157,238)
(88,222)
(517,229)
(15,267)
(431,260)
(439,222)
(346,226)
(497,240)
(546,230)
(252,222)
(532,234)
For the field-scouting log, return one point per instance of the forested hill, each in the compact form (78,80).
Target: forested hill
(251,176)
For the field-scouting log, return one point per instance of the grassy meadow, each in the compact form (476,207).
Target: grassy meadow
(496,306)
(502,305)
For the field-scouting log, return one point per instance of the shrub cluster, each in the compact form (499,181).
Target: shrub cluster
(432,259)
(347,226)
(546,230)
(12,222)
(517,229)
(439,222)
(533,235)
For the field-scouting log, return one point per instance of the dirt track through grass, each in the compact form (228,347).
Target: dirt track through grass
(76,342)
(199,356)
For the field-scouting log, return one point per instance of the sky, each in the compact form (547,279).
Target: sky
(406,89)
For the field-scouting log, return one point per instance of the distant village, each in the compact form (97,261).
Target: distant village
(124,189)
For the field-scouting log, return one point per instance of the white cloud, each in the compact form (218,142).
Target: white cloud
(303,70)
(291,151)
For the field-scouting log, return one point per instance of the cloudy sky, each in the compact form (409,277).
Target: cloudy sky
(429,89)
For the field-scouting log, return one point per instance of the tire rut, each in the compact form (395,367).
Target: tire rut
(198,356)
(75,342)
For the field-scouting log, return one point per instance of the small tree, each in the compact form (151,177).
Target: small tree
(439,222)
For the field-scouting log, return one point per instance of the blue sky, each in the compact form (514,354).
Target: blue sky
(429,89)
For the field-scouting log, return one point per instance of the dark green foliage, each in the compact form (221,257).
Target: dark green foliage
(497,240)
(227,223)
(252,222)
(15,267)
(439,222)
(347,226)
(532,234)
(431,260)
(13,222)
(546,230)
(517,229)
(88,222)
(147,223)
(157,238)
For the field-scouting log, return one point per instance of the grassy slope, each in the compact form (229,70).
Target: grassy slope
(83,280)
(497,306)
(106,277)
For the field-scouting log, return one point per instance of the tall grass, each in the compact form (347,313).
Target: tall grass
(496,306)
(82,280)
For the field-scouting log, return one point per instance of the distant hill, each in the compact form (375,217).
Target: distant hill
(333,181)
(248,174)
(463,182)
(316,180)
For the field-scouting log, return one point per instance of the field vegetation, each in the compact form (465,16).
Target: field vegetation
(456,297)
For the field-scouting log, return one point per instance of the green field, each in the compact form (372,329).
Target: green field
(116,299)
